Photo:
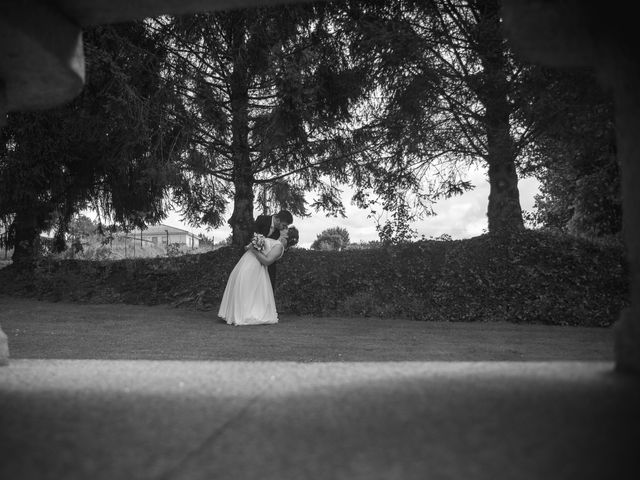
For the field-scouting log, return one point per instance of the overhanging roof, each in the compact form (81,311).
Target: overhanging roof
(41,49)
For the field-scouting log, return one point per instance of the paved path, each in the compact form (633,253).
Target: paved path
(371,416)
(94,419)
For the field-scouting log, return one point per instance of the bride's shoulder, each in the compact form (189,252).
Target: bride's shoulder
(274,244)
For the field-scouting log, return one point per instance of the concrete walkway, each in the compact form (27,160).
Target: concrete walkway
(388,407)
(94,419)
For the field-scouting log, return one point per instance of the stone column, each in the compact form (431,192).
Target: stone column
(569,33)
(4,106)
(626,84)
(4,349)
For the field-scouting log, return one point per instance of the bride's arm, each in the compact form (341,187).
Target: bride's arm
(269,258)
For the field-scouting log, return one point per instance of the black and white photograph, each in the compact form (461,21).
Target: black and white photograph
(319,240)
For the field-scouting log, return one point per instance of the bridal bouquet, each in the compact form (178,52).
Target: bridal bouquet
(258,241)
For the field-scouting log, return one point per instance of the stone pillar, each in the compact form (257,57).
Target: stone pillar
(4,106)
(568,33)
(626,84)
(4,349)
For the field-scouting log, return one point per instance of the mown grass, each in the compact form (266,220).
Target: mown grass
(532,277)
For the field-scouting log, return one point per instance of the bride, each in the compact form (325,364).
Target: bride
(248,297)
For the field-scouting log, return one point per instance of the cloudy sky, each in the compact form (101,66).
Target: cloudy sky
(463,216)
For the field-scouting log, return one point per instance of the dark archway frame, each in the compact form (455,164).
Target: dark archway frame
(42,65)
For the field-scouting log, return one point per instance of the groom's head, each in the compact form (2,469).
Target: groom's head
(282,219)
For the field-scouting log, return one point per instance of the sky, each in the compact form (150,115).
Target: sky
(463,216)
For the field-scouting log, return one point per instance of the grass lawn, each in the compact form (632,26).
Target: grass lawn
(60,330)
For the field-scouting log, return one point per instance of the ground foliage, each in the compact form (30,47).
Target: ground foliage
(531,277)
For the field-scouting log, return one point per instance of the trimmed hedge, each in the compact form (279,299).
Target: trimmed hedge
(532,277)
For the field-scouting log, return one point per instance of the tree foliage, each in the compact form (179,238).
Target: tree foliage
(109,148)
(459,96)
(266,96)
(82,226)
(574,155)
(336,238)
(259,107)
(396,99)
(446,83)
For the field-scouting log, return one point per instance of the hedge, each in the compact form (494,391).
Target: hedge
(532,277)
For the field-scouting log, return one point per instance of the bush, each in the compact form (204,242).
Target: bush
(532,277)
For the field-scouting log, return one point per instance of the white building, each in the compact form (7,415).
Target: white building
(164,234)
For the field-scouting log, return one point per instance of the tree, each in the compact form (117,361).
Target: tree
(526,119)
(205,241)
(79,227)
(82,226)
(110,147)
(475,70)
(395,99)
(397,229)
(574,156)
(266,108)
(336,238)
(450,100)
(493,90)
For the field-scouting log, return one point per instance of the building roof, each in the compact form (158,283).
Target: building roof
(161,229)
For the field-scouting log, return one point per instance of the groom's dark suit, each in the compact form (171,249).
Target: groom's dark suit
(262,225)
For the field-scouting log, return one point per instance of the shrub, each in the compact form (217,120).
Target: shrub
(532,277)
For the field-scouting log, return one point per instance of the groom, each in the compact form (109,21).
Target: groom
(270,226)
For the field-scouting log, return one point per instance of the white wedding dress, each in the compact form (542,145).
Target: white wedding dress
(248,297)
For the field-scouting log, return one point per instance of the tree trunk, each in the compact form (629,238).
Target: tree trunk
(26,238)
(241,220)
(504,212)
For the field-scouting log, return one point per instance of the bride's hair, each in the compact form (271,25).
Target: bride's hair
(292,237)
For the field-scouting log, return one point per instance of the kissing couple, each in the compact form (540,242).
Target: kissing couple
(248,297)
